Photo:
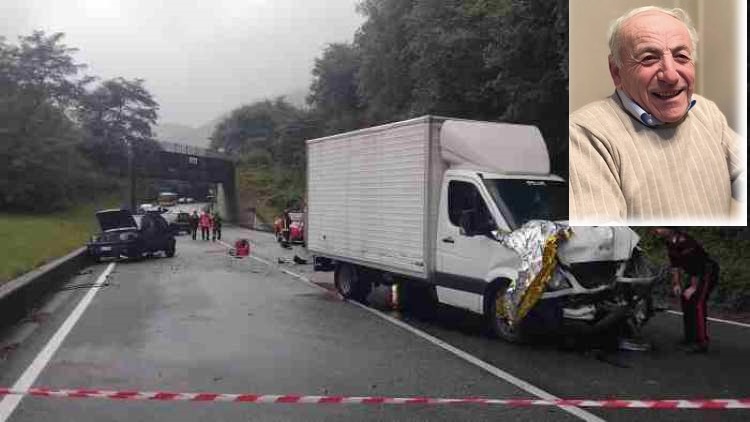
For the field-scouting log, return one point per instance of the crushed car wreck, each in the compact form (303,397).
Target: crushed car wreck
(124,235)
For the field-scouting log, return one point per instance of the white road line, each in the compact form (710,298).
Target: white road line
(27,379)
(505,376)
(725,321)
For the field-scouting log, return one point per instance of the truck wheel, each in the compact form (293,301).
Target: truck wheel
(348,283)
(497,322)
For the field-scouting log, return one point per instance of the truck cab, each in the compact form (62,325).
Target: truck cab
(475,208)
(600,280)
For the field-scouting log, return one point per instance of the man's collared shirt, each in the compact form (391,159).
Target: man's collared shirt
(639,113)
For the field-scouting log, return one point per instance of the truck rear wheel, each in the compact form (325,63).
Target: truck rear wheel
(498,323)
(349,284)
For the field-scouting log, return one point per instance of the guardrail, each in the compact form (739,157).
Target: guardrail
(192,150)
(22,294)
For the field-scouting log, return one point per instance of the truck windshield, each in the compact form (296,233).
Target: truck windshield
(521,200)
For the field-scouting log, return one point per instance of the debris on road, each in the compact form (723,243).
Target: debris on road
(632,345)
(294,260)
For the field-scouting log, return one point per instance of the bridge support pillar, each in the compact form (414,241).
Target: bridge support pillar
(226,200)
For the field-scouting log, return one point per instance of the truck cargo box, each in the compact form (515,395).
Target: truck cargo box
(368,200)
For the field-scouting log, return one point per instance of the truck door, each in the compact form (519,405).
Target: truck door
(462,260)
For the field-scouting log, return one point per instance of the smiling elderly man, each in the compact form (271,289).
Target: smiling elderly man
(653,152)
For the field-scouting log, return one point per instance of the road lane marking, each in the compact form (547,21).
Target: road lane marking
(27,379)
(505,376)
(497,372)
(725,321)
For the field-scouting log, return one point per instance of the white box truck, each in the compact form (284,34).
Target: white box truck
(422,203)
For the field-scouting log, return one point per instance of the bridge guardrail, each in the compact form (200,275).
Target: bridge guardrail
(192,150)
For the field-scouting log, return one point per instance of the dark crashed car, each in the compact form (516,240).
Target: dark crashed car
(126,236)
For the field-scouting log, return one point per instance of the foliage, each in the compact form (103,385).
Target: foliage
(268,138)
(385,82)
(730,247)
(50,123)
(42,70)
(333,93)
(529,53)
(40,165)
(497,60)
(118,113)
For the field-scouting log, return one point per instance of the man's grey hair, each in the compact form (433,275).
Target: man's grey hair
(614,34)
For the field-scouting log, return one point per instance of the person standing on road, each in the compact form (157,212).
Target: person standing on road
(194,218)
(216,232)
(687,256)
(287,226)
(205,223)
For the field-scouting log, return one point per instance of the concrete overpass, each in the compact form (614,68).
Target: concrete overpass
(194,164)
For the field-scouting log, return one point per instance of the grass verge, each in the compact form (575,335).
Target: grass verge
(33,240)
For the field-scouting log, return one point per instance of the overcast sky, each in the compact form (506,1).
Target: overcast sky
(200,58)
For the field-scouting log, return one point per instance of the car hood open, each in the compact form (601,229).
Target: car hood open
(116,219)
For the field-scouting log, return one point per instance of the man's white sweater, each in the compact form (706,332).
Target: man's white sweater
(623,171)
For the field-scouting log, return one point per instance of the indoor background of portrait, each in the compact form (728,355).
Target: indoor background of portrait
(720,74)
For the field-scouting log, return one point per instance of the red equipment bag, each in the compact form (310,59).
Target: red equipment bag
(241,248)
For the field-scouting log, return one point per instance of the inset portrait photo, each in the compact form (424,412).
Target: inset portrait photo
(658,100)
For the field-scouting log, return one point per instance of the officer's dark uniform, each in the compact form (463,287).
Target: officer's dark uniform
(687,254)
(216,234)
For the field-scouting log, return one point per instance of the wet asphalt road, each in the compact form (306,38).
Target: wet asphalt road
(203,321)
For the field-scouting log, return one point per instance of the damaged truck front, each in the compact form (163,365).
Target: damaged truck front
(467,214)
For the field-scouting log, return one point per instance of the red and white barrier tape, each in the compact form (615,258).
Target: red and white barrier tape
(294,399)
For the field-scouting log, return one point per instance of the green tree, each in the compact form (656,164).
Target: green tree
(268,137)
(247,128)
(118,113)
(384,76)
(529,61)
(274,129)
(448,72)
(40,165)
(333,92)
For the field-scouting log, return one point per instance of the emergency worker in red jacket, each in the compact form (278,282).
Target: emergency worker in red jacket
(205,224)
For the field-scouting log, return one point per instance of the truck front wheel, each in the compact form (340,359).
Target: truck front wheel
(348,283)
(498,323)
